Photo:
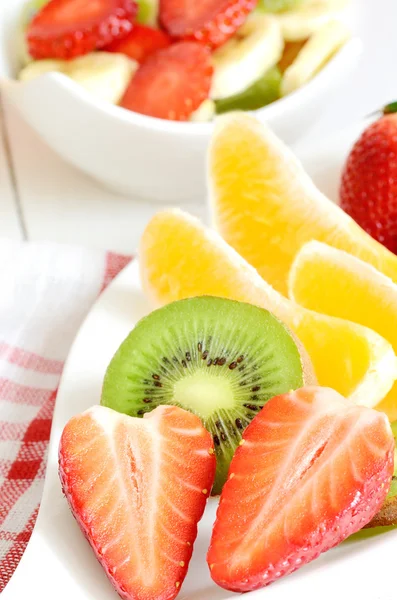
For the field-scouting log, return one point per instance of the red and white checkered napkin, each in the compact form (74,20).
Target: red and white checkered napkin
(46,291)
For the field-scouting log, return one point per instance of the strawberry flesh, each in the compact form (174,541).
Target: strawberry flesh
(368,190)
(211,22)
(313,469)
(171,83)
(138,488)
(66,29)
(140,43)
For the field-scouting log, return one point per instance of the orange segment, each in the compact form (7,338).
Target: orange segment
(338,284)
(179,258)
(266,206)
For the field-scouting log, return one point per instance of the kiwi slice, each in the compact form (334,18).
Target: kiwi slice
(262,92)
(275,6)
(148,12)
(218,358)
(388,513)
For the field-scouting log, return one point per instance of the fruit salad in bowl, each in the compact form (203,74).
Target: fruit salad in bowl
(183,63)
(128,91)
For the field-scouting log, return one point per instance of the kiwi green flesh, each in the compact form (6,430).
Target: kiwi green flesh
(388,513)
(262,92)
(276,6)
(220,359)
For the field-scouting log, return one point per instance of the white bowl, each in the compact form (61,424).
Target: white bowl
(139,155)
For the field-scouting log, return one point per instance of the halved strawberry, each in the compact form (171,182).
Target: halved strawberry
(141,42)
(138,488)
(212,22)
(69,28)
(313,469)
(172,83)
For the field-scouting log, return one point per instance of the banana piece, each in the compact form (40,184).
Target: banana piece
(254,49)
(314,55)
(205,112)
(300,24)
(40,67)
(104,74)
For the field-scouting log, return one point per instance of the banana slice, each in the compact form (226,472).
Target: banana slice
(314,55)
(254,49)
(40,67)
(104,74)
(301,23)
(205,112)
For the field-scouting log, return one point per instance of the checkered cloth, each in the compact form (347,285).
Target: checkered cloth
(46,291)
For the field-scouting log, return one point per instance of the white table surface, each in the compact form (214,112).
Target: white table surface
(43,198)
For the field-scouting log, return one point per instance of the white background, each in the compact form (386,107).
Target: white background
(43,198)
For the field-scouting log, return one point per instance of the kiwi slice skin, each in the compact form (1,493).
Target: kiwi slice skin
(262,92)
(221,359)
(276,6)
(388,513)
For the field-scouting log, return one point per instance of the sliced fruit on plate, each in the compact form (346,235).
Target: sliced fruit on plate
(267,207)
(220,359)
(105,75)
(141,42)
(255,48)
(148,12)
(388,514)
(307,18)
(368,191)
(336,283)
(212,22)
(138,488)
(317,51)
(312,470)
(179,258)
(172,83)
(264,91)
(69,28)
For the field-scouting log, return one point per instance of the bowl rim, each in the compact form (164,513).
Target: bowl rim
(278,109)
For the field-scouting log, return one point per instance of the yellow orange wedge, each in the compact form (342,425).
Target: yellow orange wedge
(179,258)
(267,207)
(336,283)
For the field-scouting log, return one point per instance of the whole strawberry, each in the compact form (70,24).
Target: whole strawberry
(368,190)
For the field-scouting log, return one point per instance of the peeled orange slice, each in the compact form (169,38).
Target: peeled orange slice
(267,207)
(179,258)
(336,283)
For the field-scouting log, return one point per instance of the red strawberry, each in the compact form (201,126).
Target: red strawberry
(368,190)
(210,21)
(141,42)
(171,83)
(138,488)
(69,28)
(313,469)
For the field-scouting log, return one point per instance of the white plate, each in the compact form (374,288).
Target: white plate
(59,563)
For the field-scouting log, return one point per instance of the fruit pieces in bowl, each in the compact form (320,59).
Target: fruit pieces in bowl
(247,64)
